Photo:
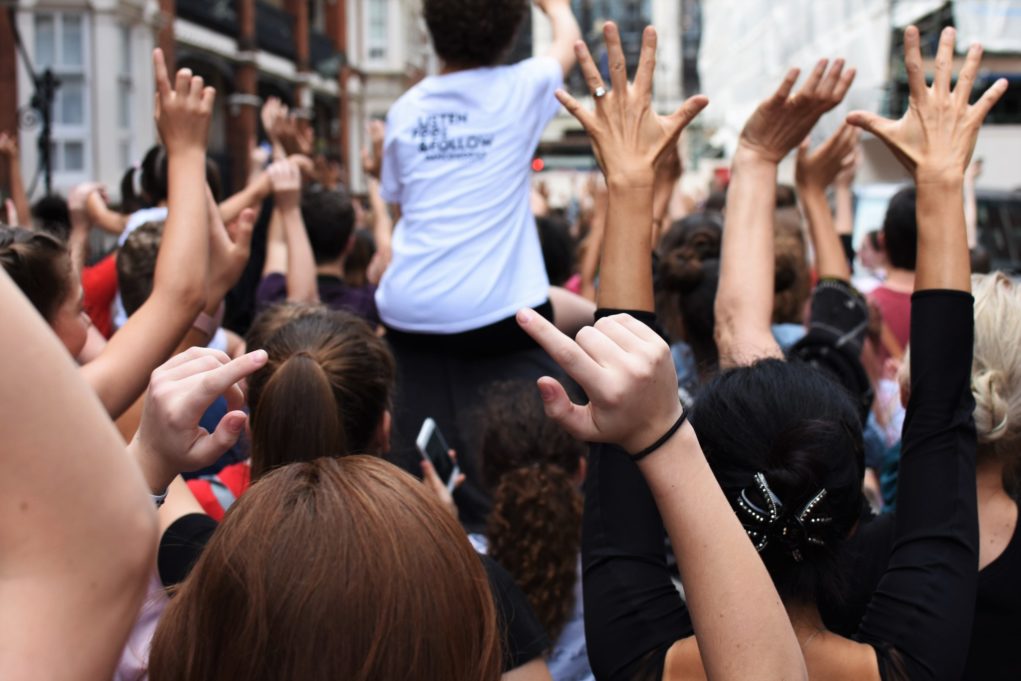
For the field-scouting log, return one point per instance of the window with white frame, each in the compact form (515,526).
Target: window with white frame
(125,98)
(61,44)
(377,33)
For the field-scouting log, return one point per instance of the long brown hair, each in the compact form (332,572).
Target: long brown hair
(534,528)
(323,391)
(40,265)
(332,569)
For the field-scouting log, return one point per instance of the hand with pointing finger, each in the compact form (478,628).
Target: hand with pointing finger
(627,372)
(183,109)
(169,440)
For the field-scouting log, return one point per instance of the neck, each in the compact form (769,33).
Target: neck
(450,67)
(331,269)
(806,621)
(898,279)
(989,474)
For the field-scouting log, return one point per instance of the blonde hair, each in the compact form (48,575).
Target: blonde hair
(996,367)
(996,370)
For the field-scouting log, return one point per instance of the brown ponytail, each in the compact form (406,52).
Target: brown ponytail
(323,391)
(534,528)
(297,418)
(40,265)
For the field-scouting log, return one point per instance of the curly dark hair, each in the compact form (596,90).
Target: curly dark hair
(530,465)
(471,33)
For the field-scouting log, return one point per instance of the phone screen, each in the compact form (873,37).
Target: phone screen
(437,451)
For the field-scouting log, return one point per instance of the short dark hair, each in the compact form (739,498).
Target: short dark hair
(136,265)
(900,230)
(472,33)
(329,220)
(557,248)
(53,216)
(40,265)
(801,431)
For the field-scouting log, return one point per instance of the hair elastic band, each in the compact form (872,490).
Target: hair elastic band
(662,441)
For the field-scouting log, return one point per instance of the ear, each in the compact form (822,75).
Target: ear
(579,477)
(382,439)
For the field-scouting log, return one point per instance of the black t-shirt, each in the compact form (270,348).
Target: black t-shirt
(524,638)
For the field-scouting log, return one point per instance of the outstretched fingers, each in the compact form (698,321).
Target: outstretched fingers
(680,119)
(575,108)
(945,60)
(966,78)
(814,78)
(913,62)
(159,63)
(989,98)
(615,54)
(646,62)
(588,67)
(784,91)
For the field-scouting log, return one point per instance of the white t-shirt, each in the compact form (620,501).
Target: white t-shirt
(457,158)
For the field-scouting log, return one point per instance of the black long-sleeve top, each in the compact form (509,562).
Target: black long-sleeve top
(918,620)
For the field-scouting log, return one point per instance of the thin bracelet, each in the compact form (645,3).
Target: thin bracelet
(662,441)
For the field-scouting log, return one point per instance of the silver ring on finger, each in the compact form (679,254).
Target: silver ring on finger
(599,92)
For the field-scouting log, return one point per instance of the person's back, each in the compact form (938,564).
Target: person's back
(456,159)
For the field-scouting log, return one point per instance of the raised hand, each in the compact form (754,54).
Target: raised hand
(169,440)
(183,111)
(936,136)
(286,180)
(624,368)
(783,120)
(820,168)
(269,113)
(628,137)
(77,200)
(230,246)
(8,145)
(372,158)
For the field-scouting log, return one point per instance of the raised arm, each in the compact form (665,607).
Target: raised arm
(933,563)
(814,173)
(565,31)
(382,223)
(250,197)
(301,263)
(744,300)
(121,372)
(12,159)
(628,139)
(626,370)
(78,237)
(77,528)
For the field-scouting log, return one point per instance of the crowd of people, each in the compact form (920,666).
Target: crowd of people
(678,449)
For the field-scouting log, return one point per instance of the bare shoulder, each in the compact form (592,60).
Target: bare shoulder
(838,658)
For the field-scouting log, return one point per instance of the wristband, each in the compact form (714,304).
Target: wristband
(638,456)
(205,324)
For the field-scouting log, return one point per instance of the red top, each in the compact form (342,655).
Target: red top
(99,284)
(896,309)
(217,492)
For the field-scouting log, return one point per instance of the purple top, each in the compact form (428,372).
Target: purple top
(333,292)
